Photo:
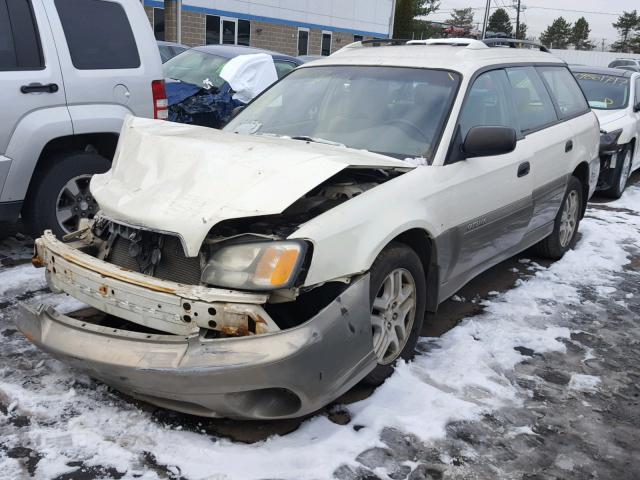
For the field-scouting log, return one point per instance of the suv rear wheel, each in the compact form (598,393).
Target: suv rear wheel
(565,228)
(398,300)
(60,197)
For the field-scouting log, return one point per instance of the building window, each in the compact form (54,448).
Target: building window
(244,32)
(158,23)
(229,29)
(326,44)
(303,41)
(212,30)
(358,38)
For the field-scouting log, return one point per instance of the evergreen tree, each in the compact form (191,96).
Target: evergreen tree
(627,24)
(404,25)
(557,34)
(461,18)
(499,22)
(522,33)
(580,35)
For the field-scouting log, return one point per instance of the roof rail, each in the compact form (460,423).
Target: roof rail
(470,43)
(375,42)
(514,43)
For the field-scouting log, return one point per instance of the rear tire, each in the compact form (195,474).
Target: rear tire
(60,195)
(398,299)
(622,173)
(565,228)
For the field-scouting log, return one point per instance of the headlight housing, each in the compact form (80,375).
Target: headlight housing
(257,266)
(608,141)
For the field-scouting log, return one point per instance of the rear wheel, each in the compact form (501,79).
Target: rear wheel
(622,173)
(398,299)
(60,197)
(565,228)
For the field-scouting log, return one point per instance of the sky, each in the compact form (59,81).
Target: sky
(538,14)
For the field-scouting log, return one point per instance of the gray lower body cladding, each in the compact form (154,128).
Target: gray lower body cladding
(278,375)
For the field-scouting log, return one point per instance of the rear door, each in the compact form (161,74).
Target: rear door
(491,203)
(30,77)
(550,141)
(109,57)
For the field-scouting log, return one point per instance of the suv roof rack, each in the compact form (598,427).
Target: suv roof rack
(514,43)
(470,43)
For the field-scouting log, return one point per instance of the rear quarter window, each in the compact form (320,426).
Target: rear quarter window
(565,91)
(98,34)
(19,42)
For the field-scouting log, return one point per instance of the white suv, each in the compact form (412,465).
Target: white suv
(263,270)
(70,71)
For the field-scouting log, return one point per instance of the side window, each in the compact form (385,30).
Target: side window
(282,67)
(636,100)
(486,103)
(565,91)
(98,34)
(533,104)
(19,42)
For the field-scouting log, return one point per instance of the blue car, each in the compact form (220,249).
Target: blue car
(197,94)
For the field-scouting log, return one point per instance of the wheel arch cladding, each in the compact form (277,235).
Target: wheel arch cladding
(421,242)
(581,172)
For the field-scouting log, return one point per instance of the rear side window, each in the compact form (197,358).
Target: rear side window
(98,34)
(283,67)
(19,42)
(565,91)
(533,104)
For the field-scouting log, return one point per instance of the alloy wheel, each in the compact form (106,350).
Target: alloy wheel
(569,218)
(74,203)
(624,172)
(393,314)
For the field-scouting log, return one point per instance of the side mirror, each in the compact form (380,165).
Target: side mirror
(636,107)
(489,141)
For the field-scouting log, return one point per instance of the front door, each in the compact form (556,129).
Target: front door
(490,200)
(229,30)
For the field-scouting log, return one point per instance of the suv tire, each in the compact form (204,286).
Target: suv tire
(621,174)
(388,304)
(565,227)
(51,198)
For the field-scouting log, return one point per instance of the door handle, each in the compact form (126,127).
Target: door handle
(568,146)
(524,169)
(38,87)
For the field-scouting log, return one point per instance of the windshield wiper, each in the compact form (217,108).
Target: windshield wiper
(317,140)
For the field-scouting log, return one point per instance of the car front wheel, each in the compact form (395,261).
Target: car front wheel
(397,299)
(622,173)
(565,227)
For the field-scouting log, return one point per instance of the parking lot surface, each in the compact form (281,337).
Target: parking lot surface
(539,379)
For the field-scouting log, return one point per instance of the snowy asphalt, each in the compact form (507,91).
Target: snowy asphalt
(530,372)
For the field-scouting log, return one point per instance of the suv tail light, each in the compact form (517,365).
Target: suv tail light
(160,102)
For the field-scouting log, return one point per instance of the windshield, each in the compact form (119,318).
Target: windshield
(604,92)
(394,111)
(192,66)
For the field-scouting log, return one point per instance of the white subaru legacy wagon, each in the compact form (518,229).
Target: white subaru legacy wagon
(263,270)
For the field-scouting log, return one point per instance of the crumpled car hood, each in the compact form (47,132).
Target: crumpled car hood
(184,179)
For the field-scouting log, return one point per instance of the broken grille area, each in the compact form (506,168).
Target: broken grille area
(158,255)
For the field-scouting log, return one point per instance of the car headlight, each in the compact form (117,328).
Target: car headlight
(609,140)
(255,265)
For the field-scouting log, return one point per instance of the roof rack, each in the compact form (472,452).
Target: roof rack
(469,43)
(384,41)
(514,43)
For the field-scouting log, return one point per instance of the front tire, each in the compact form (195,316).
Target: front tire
(565,228)
(621,175)
(398,299)
(60,196)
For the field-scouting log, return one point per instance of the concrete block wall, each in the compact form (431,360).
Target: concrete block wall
(271,36)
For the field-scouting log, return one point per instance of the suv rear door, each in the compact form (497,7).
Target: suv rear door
(105,59)
(30,77)
(551,142)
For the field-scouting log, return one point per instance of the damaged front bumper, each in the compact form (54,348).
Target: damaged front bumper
(275,374)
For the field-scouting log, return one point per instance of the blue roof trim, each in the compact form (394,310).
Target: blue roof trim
(258,18)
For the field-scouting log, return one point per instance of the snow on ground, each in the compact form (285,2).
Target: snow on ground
(462,376)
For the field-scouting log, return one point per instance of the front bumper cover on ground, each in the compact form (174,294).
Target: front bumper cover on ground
(275,375)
